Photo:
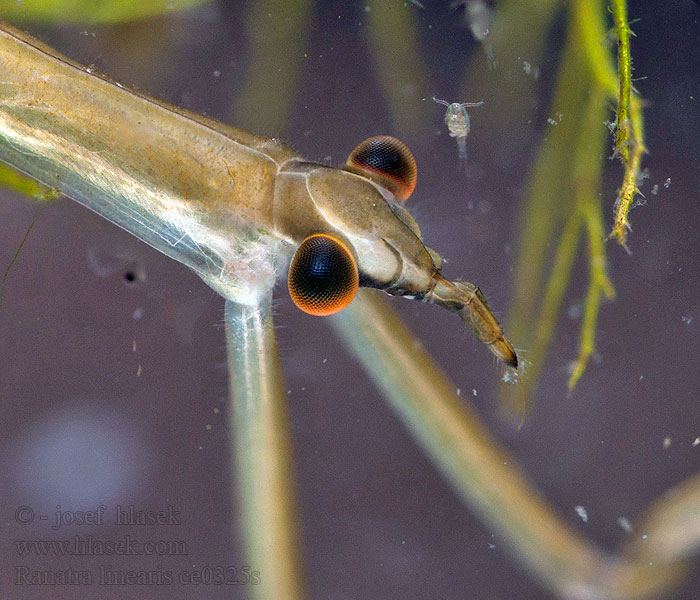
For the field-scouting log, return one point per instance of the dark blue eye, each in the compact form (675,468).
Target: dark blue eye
(323,277)
(386,161)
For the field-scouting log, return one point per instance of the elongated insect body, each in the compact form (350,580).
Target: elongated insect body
(196,190)
(233,206)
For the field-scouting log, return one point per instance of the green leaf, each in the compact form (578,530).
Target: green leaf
(89,11)
(18,182)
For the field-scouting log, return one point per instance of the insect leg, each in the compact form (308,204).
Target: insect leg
(469,303)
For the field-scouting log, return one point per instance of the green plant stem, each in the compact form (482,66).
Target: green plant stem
(599,286)
(624,135)
(629,124)
(276,58)
(587,180)
(629,141)
(553,296)
(536,304)
(626,195)
(547,191)
(582,86)
(400,66)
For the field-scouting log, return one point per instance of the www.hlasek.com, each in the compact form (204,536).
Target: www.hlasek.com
(80,545)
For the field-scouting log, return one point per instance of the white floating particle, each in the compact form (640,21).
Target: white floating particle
(138,313)
(667,442)
(552,121)
(667,183)
(531,70)
(574,311)
(687,319)
(459,392)
(655,189)
(582,512)
(474,392)
(696,442)
(217,73)
(625,523)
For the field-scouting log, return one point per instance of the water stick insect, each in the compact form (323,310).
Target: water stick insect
(235,207)
(458,124)
(242,211)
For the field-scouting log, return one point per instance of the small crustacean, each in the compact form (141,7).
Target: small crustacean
(457,121)
(479,18)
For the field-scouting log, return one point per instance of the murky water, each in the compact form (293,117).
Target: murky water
(113,387)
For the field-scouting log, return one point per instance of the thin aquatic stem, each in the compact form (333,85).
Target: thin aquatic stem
(547,188)
(590,27)
(624,136)
(599,287)
(395,46)
(587,181)
(553,295)
(580,179)
(626,194)
(629,124)
(13,260)
(266,97)
(629,141)
(262,454)
(536,302)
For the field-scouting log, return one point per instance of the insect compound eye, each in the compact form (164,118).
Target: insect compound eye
(386,161)
(323,277)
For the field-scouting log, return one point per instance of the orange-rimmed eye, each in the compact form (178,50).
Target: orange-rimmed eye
(323,277)
(386,161)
